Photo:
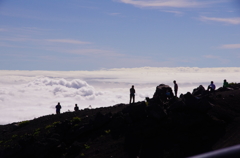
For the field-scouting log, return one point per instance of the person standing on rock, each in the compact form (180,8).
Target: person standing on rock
(175,88)
(211,87)
(132,94)
(76,108)
(58,108)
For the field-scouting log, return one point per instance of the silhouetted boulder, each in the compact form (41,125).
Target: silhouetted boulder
(164,92)
(200,90)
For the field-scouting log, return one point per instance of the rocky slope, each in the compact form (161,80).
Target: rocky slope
(164,126)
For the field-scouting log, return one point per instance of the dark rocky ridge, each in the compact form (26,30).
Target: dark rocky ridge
(168,128)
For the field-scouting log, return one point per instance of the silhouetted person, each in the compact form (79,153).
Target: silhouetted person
(132,94)
(76,108)
(211,87)
(225,83)
(175,88)
(58,107)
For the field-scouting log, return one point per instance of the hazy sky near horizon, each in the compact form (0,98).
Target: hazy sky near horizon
(64,35)
(25,95)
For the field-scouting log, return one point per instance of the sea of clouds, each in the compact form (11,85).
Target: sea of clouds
(25,95)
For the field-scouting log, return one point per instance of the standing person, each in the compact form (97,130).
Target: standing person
(175,88)
(58,107)
(211,87)
(132,94)
(76,108)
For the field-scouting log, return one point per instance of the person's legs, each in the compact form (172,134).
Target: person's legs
(130,99)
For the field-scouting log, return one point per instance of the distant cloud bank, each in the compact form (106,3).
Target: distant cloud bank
(30,94)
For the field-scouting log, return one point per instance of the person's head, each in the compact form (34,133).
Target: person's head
(58,103)
(211,81)
(132,86)
(225,80)
(75,104)
(174,81)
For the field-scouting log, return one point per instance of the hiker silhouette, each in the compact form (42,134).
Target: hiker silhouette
(58,107)
(211,87)
(132,94)
(175,88)
(225,83)
(76,108)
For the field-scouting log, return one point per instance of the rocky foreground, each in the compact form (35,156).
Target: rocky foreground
(162,127)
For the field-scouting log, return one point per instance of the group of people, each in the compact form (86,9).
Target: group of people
(58,108)
(132,92)
(211,88)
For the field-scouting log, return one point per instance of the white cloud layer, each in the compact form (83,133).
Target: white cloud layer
(29,94)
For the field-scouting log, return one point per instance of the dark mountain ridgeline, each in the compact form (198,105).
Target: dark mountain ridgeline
(166,127)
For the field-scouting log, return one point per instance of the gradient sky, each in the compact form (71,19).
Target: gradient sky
(92,34)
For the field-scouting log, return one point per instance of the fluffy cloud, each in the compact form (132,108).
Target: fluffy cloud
(63,88)
(77,84)
(39,96)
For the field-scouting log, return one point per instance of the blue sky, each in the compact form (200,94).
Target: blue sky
(92,35)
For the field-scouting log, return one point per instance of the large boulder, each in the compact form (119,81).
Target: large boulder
(200,90)
(164,92)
